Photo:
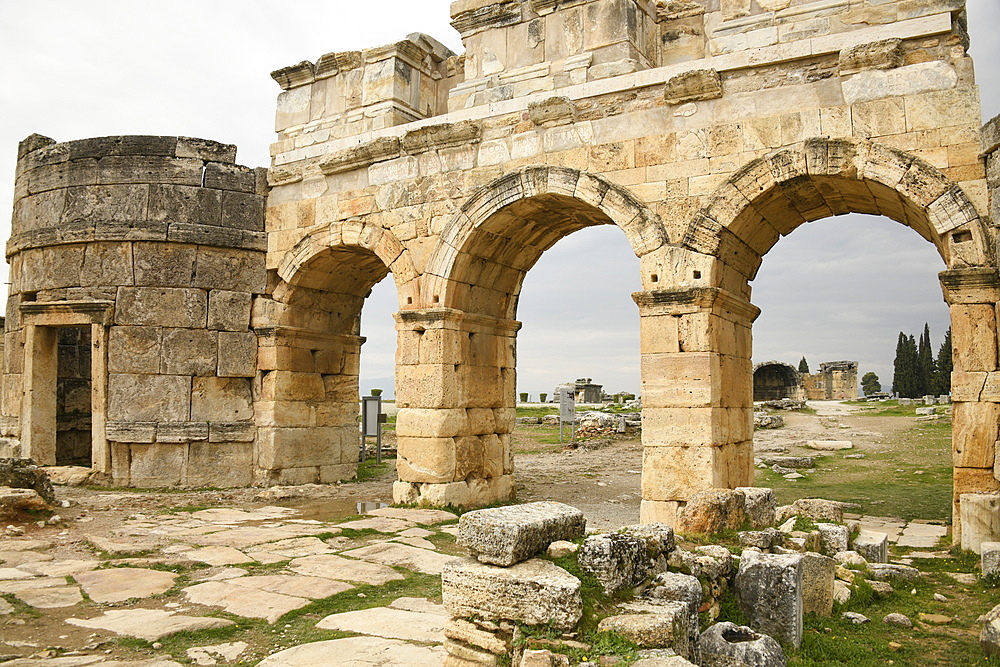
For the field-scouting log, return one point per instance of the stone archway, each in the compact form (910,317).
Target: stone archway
(774,380)
(456,370)
(310,349)
(771,196)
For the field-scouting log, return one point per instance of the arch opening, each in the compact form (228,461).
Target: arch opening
(774,380)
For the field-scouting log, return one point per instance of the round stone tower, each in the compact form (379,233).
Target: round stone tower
(134,262)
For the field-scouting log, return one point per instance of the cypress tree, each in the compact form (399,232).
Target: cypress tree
(904,378)
(925,364)
(803,365)
(943,366)
(898,379)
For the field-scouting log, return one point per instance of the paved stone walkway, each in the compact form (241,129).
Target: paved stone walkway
(113,587)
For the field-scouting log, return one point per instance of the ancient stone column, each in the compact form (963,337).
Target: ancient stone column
(697,407)
(972,295)
(455,384)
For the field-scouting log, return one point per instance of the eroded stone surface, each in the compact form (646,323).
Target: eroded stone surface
(148,624)
(507,535)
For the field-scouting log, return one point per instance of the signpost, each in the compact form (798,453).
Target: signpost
(567,411)
(371,425)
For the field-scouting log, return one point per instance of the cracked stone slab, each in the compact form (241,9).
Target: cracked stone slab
(244,601)
(206,655)
(50,598)
(357,652)
(425,517)
(389,623)
(229,515)
(18,558)
(61,568)
(9,573)
(247,536)
(148,624)
(27,584)
(218,556)
(380,524)
(418,542)
(344,569)
(123,583)
(314,588)
(403,555)
(119,548)
(299,547)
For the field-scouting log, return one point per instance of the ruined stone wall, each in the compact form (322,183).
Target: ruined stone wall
(835,381)
(141,255)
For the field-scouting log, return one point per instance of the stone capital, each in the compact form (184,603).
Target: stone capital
(684,301)
(972,285)
(451,318)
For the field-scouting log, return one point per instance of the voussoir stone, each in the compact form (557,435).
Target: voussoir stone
(533,592)
(507,535)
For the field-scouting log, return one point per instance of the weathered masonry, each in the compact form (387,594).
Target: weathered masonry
(705,131)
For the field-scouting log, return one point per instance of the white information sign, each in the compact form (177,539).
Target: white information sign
(567,405)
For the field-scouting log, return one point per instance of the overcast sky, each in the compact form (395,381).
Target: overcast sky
(835,289)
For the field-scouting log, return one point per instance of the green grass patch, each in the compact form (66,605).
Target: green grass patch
(536,411)
(370,470)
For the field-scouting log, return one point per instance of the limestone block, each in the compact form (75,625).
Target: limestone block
(150,169)
(189,352)
(883,54)
(161,306)
(872,546)
(974,329)
(727,643)
(286,447)
(990,557)
(181,432)
(677,427)
(426,459)
(232,432)
(221,399)
(229,177)
(228,311)
(833,538)
(134,350)
(507,535)
(431,423)
(148,398)
(534,592)
(238,270)
(157,465)
(292,386)
(220,464)
(769,589)
(692,86)
(107,264)
(205,149)
(129,432)
(552,111)
(713,511)
(243,211)
(61,175)
(467,493)
(184,204)
(980,517)
(759,505)
(237,354)
(163,264)
(817,584)
(618,561)
(975,432)
(107,203)
(677,473)
(667,628)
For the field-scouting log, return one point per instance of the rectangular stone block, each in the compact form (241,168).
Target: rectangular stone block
(677,473)
(228,311)
(237,270)
(976,428)
(507,535)
(305,447)
(237,354)
(150,169)
(148,398)
(292,386)
(134,350)
(219,464)
(769,588)
(244,211)
(873,545)
(980,515)
(185,204)
(163,264)
(161,306)
(975,335)
(432,460)
(535,592)
(189,352)
(108,203)
(232,432)
(131,432)
(817,584)
(695,426)
(157,465)
(990,557)
(221,399)
(177,432)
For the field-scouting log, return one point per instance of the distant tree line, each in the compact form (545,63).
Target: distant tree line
(915,370)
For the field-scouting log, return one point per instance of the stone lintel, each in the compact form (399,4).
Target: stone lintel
(972,285)
(365,155)
(67,313)
(294,76)
(471,16)
(694,299)
(332,64)
(451,318)
(306,338)
(445,135)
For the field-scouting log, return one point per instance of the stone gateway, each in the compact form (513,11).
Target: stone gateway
(218,306)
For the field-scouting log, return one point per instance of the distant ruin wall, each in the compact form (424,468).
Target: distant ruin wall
(835,381)
(153,247)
